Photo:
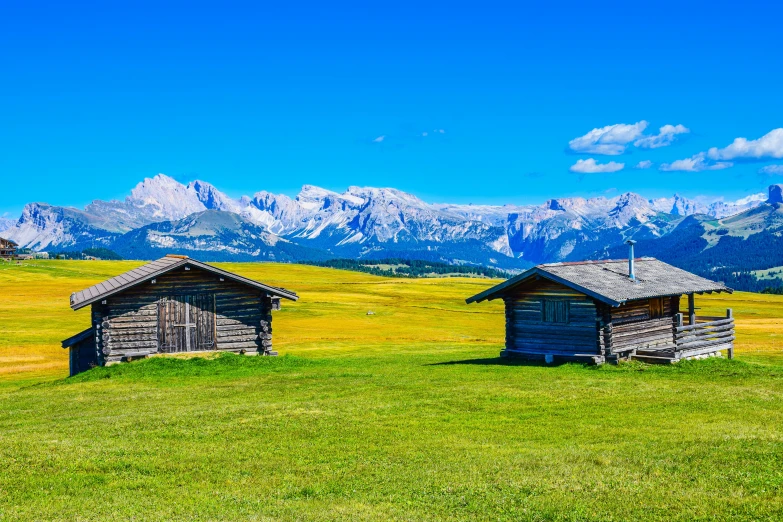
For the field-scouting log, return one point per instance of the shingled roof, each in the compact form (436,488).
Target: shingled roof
(608,281)
(144,273)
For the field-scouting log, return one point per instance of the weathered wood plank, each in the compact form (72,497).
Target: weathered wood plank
(704,325)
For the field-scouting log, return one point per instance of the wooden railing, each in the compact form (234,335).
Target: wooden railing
(704,335)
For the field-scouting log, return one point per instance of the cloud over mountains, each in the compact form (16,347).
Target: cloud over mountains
(590,166)
(613,140)
(768,146)
(696,163)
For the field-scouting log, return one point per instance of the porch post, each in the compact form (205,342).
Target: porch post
(730,315)
(691,309)
(678,324)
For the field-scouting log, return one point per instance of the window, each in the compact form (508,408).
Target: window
(656,308)
(554,311)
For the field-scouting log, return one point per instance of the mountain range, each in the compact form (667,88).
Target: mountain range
(162,215)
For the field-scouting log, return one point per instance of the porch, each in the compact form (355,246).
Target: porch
(698,337)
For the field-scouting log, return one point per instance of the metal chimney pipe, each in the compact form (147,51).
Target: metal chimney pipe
(631,274)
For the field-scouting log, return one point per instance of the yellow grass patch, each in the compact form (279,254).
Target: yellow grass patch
(330,319)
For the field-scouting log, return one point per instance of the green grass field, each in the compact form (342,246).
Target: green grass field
(406,414)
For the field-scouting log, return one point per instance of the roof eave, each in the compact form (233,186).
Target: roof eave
(493,293)
(121,289)
(280,292)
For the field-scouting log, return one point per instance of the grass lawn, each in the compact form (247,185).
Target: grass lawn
(405,414)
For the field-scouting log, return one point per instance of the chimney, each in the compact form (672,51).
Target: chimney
(631,274)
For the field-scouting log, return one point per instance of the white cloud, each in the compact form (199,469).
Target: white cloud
(771,169)
(379,139)
(695,163)
(645,164)
(610,140)
(666,136)
(424,133)
(441,131)
(768,146)
(589,166)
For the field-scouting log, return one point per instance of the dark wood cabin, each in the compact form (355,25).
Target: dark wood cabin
(605,311)
(175,304)
(7,248)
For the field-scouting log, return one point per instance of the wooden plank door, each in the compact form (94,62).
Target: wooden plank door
(204,319)
(186,323)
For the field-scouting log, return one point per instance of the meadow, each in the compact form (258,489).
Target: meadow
(404,414)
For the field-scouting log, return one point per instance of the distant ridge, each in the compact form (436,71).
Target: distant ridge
(161,214)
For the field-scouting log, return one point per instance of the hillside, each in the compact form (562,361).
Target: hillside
(404,414)
(731,249)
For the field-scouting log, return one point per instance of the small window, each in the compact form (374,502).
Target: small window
(553,311)
(656,308)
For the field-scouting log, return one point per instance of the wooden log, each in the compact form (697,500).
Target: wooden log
(133,325)
(666,329)
(699,344)
(695,334)
(703,325)
(235,327)
(643,334)
(130,345)
(703,340)
(238,345)
(730,315)
(249,336)
(681,354)
(533,334)
(563,347)
(119,339)
(691,309)
(129,318)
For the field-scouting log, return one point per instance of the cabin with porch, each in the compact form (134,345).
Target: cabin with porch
(175,304)
(7,248)
(607,311)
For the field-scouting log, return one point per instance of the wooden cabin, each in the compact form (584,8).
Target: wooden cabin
(606,311)
(175,304)
(7,248)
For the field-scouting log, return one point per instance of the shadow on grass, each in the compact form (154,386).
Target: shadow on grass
(504,361)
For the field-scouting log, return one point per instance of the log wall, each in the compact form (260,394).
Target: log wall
(82,356)
(127,325)
(528,333)
(633,326)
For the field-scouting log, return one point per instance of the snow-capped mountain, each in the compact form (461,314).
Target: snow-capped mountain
(6,223)
(681,206)
(722,209)
(225,235)
(43,226)
(161,212)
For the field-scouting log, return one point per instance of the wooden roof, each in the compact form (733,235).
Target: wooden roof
(7,242)
(144,273)
(608,281)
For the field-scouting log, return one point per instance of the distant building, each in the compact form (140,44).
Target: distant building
(174,304)
(7,248)
(605,311)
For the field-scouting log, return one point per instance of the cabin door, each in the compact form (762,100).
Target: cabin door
(186,323)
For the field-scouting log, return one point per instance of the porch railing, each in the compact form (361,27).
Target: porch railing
(704,335)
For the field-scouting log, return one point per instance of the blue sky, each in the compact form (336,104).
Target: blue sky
(256,97)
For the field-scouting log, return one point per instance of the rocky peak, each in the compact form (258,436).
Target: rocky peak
(163,197)
(775,194)
(212,198)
